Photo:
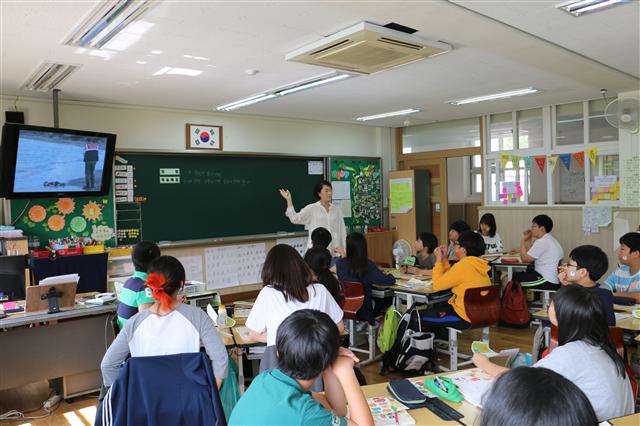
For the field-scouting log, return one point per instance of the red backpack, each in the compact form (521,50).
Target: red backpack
(514,311)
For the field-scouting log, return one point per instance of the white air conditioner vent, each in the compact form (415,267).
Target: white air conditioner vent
(49,76)
(367,48)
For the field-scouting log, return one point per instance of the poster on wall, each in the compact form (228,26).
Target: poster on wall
(357,190)
(400,195)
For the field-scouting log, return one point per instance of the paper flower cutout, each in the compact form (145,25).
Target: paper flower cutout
(101,233)
(66,205)
(78,224)
(56,222)
(37,213)
(91,211)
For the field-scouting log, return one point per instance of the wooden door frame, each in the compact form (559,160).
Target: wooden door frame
(418,159)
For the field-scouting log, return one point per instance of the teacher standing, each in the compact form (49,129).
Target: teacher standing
(320,214)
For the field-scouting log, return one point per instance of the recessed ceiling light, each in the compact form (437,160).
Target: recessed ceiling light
(187,56)
(141,62)
(494,96)
(128,36)
(388,114)
(178,71)
(156,52)
(579,7)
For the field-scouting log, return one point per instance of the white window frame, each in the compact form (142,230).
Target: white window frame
(549,147)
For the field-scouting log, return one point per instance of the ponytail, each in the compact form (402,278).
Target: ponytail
(166,276)
(156,282)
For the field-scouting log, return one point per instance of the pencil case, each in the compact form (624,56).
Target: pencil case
(405,392)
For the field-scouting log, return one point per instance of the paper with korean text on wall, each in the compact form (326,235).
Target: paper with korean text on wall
(341,190)
(238,264)
(344,206)
(594,218)
(400,195)
(192,267)
(298,243)
(630,182)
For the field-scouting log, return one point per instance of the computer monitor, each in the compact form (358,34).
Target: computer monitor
(12,278)
(92,269)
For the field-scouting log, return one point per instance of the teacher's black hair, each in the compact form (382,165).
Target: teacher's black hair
(536,397)
(318,187)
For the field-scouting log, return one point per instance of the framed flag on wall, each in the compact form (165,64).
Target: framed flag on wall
(204,136)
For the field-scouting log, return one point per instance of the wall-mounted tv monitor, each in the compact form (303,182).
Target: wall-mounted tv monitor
(41,162)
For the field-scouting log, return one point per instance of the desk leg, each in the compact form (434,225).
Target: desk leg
(509,272)
(409,300)
(239,352)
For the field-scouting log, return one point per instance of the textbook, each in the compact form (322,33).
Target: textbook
(473,384)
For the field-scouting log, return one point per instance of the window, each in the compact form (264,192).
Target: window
(492,172)
(568,185)
(537,185)
(605,179)
(569,124)
(476,174)
(599,129)
(501,132)
(511,183)
(530,128)
(451,134)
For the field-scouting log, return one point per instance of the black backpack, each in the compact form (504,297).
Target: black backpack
(412,348)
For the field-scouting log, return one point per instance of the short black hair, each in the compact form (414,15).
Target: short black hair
(459,226)
(307,342)
(536,397)
(429,240)
(143,253)
(321,237)
(591,258)
(542,220)
(489,220)
(472,242)
(631,240)
(318,187)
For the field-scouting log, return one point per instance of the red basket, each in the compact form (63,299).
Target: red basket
(70,251)
(40,254)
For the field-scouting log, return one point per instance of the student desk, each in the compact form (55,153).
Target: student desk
(402,289)
(37,346)
(510,267)
(424,416)
(244,345)
(630,420)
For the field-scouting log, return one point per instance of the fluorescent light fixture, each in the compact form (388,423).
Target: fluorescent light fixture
(177,71)
(200,58)
(245,102)
(388,114)
(141,62)
(494,96)
(312,83)
(578,7)
(108,20)
(285,90)
(128,36)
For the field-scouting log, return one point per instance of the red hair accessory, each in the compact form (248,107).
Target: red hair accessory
(156,282)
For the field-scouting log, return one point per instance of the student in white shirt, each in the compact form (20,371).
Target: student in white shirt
(537,246)
(320,214)
(288,287)
(487,228)
(585,353)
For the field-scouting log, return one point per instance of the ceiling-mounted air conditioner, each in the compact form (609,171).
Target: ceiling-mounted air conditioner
(48,76)
(367,48)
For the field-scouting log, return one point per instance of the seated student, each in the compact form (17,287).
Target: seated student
(426,243)
(487,228)
(321,237)
(536,397)
(585,354)
(469,272)
(455,230)
(586,266)
(135,296)
(357,267)
(319,260)
(168,327)
(625,281)
(288,286)
(545,253)
(308,346)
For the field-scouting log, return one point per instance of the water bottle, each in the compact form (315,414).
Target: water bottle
(222,316)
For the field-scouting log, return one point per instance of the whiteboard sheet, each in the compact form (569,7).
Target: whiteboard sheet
(233,265)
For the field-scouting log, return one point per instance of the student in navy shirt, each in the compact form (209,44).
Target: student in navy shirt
(586,266)
(357,267)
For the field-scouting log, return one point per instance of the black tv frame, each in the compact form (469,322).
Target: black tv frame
(9,154)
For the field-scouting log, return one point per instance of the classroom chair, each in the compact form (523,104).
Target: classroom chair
(617,336)
(482,305)
(145,392)
(353,301)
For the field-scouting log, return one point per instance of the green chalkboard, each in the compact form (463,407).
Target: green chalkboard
(182,197)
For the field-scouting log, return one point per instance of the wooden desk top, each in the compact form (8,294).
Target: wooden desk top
(630,324)
(630,420)
(227,337)
(423,416)
(241,337)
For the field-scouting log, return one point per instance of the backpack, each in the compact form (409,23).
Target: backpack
(389,329)
(412,348)
(514,311)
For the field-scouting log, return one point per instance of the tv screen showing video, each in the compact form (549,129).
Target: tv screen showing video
(52,162)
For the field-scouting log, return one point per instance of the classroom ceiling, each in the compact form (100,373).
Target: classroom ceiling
(497,46)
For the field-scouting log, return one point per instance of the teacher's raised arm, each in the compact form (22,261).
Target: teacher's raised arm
(319,214)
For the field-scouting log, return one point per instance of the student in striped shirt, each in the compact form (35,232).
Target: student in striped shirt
(135,296)
(625,281)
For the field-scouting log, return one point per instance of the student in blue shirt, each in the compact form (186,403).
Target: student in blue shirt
(625,281)
(308,345)
(357,267)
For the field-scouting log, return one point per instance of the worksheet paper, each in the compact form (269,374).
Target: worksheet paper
(240,264)
(192,267)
